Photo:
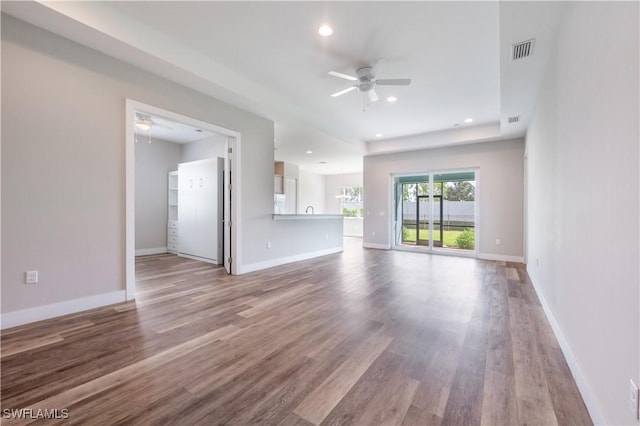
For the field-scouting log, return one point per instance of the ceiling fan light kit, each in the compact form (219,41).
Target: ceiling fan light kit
(367,82)
(143,124)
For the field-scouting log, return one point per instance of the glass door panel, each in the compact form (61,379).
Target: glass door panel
(456,218)
(436,211)
(409,223)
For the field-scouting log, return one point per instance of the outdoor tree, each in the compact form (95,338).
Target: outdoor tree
(461,191)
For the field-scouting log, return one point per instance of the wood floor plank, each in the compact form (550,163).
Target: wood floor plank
(416,416)
(84,391)
(464,405)
(361,394)
(390,404)
(534,400)
(23,345)
(568,406)
(499,403)
(361,337)
(322,400)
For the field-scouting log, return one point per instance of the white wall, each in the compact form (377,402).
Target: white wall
(311,191)
(500,191)
(582,154)
(153,162)
(211,147)
(63,212)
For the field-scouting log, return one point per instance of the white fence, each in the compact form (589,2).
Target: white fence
(454,211)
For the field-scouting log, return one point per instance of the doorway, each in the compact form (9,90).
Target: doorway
(436,212)
(229,154)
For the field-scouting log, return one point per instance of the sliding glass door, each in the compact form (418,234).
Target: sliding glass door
(436,211)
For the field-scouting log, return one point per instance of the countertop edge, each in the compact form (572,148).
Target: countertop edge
(306,216)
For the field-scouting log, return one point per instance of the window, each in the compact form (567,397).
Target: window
(351,201)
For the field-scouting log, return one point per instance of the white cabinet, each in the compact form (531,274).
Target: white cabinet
(172,215)
(199,232)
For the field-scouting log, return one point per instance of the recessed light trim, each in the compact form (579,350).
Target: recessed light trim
(392,99)
(378,135)
(468,120)
(325,30)
(322,162)
(309,152)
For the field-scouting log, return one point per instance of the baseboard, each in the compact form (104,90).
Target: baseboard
(581,381)
(201,259)
(26,316)
(376,246)
(502,257)
(243,269)
(148,251)
(352,235)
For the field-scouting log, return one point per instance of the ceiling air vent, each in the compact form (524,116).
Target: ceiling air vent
(514,119)
(522,49)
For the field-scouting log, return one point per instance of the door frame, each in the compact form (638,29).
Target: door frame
(233,192)
(430,248)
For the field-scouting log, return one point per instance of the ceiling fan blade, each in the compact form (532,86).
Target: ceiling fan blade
(394,82)
(345,76)
(373,96)
(342,92)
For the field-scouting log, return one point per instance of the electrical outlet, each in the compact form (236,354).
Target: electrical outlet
(268,244)
(633,399)
(498,241)
(31,277)
(537,261)
(326,237)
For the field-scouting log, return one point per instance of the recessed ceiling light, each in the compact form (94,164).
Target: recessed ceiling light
(456,125)
(322,162)
(325,30)
(309,152)
(378,135)
(468,120)
(199,130)
(392,99)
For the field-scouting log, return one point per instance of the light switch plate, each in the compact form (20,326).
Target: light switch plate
(31,277)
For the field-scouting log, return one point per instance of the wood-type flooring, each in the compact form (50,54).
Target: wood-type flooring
(363,337)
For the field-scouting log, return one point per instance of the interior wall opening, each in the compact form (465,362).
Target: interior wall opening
(179,192)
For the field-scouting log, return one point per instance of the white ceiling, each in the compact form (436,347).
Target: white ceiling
(267,57)
(171,130)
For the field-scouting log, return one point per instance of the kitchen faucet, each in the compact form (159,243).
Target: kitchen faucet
(307,210)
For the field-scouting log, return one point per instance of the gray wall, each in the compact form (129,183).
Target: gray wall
(153,163)
(63,167)
(500,191)
(582,155)
(212,147)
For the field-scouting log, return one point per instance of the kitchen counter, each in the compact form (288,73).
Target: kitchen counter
(306,216)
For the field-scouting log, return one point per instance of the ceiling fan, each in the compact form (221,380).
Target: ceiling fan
(367,82)
(144,122)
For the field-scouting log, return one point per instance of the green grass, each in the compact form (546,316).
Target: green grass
(409,234)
